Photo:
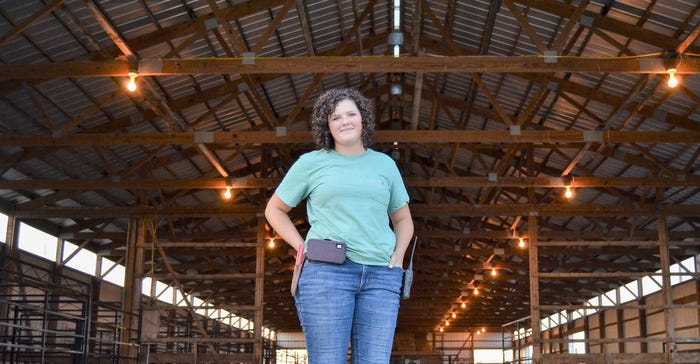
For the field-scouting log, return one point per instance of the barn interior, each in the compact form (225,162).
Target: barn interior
(492,110)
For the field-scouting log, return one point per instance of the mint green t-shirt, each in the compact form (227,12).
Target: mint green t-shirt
(349,199)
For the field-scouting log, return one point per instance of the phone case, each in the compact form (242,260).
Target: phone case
(329,251)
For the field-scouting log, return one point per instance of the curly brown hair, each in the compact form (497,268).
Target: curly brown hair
(326,104)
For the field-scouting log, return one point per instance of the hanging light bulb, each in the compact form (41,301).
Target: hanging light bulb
(493,272)
(672,61)
(227,194)
(131,85)
(441,329)
(672,80)
(271,244)
(521,243)
(447,323)
(476,291)
(454,315)
(568,193)
(464,305)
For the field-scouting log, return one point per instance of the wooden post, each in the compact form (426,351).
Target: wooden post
(132,288)
(666,288)
(259,290)
(642,313)
(534,289)
(620,322)
(8,252)
(11,235)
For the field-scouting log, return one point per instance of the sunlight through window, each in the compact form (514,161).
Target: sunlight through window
(84,261)
(37,242)
(3,227)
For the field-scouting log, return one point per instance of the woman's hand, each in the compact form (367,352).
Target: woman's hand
(396,260)
(403,229)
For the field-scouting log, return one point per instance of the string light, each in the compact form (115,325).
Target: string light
(521,243)
(441,329)
(271,244)
(493,272)
(476,291)
(131,85)
(464,305)
(454,315)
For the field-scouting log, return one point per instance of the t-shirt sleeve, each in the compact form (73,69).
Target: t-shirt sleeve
(399,194)
(295,184)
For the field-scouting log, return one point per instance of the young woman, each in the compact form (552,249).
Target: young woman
(352,193)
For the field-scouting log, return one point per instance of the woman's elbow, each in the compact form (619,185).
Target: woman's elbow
(275,208)
(270,210)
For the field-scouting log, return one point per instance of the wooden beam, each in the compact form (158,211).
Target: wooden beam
(410,181)
(381,136)
(689,39)
(571,23)
(30,21)
(110,30)
(349,64)
(201,277)
(272,27)
(575,236)
(318,77)
(463,210)
(604,22)
(522,20)
(198,244)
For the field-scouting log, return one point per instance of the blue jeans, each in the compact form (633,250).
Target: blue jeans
(340,302)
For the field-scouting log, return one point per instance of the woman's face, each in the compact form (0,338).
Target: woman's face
(345,124)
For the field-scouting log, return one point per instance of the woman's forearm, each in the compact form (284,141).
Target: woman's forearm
(403,229)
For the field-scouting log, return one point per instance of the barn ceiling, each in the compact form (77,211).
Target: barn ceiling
(491,108)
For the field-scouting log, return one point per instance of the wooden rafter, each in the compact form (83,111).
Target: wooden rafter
(319,76)
(260,43)
(31,20)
